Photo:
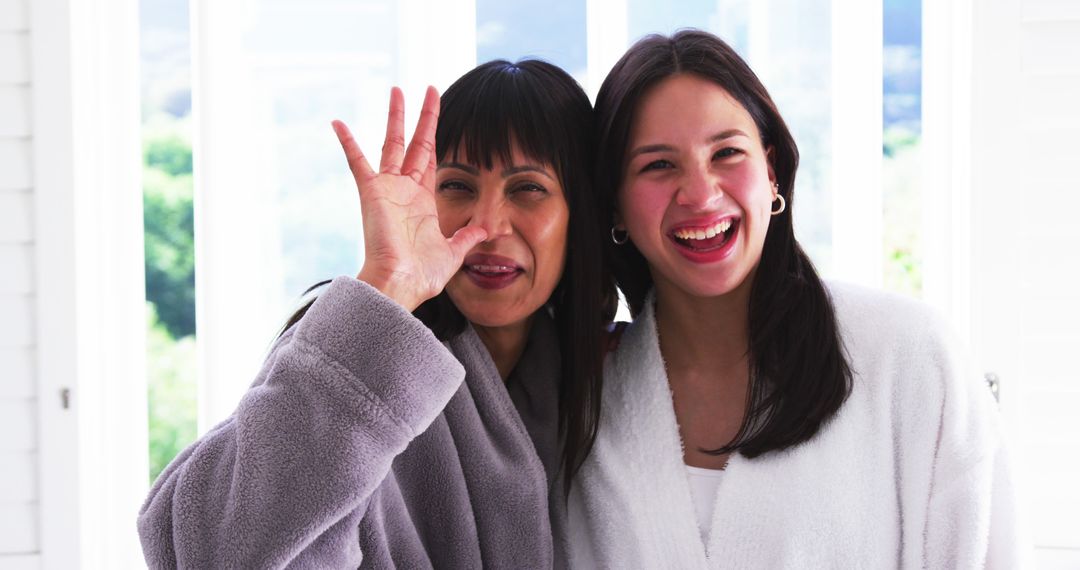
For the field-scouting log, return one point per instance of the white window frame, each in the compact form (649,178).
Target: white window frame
(858,222)
(946,160)
(90,338)
(234,326)
(606,36)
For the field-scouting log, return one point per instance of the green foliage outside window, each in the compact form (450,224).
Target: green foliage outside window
(901,203)
(172,392)
(170,289)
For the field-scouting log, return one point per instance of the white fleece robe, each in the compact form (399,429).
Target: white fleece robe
(910,473)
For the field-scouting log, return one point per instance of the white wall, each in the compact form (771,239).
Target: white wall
(1025,199)
(19,505)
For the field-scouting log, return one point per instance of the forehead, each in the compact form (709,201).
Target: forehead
(687,105)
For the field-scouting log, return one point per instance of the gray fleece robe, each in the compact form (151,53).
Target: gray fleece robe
(360,445)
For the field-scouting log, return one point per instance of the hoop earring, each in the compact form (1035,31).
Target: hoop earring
(783,205)
(619,241)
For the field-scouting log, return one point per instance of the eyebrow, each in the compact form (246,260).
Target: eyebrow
(668,148)
(525,168)
(470,169)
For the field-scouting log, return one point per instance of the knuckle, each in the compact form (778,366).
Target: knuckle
(394,140)
(427,146)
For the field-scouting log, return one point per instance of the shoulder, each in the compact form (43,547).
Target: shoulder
(871,319)
(899,346)
(858,305)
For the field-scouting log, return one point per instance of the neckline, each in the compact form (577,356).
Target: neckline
(715,473)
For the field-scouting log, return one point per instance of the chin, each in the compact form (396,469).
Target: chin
(490,314)
(493,320)
(494,309)
(706,287)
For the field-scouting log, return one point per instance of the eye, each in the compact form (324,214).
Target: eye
(528,188)
(726,153)
(454,187)
(660,164)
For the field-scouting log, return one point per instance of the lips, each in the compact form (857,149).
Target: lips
(706,241)
(490,271)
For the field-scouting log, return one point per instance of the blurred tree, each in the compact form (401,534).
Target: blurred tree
(169,231)
(170,290)
(167,152)
(901,210)
(172,393)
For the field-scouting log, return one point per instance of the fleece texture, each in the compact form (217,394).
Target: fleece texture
(365,442)
(911,472)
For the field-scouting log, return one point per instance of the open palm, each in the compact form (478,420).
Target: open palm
(406,255)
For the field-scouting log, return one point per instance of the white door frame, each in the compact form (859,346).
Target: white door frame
(92,414)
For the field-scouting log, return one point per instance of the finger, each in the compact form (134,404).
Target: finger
(429,179)
(394,146)
(358,164)
(422,145)
(465,239)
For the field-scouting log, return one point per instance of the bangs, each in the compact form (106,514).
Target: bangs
(499,105)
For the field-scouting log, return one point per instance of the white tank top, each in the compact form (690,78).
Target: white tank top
(703,486)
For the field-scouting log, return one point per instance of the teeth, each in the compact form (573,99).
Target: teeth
(491,268)
(705,233)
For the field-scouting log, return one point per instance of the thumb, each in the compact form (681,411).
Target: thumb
(465,239)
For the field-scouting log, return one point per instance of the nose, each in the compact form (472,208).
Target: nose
(491,215)
(699,189)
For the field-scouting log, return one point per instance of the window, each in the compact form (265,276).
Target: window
(881,130)
(275,207)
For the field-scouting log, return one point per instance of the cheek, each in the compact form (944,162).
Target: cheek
(752,191)
(642,204)
(547,233)
(750,187)
(762,200)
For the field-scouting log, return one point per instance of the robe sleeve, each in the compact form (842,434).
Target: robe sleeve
(285,480)
(972,517)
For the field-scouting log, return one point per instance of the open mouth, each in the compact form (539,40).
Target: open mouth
(707,238)
(491,272)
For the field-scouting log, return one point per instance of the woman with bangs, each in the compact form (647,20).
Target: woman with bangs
(753,415)
(429,411)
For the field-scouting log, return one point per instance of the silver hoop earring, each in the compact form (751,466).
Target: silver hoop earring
(615,238)
(783,205)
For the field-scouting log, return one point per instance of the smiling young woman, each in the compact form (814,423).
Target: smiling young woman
(753,415)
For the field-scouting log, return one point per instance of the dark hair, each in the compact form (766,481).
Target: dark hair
(543,110)
(799,374)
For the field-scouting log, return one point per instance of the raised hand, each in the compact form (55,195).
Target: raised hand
(406,256)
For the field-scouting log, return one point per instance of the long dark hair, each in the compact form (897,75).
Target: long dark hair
(543,110)
(799,374)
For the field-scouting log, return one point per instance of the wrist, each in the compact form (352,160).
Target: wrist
(394,288)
